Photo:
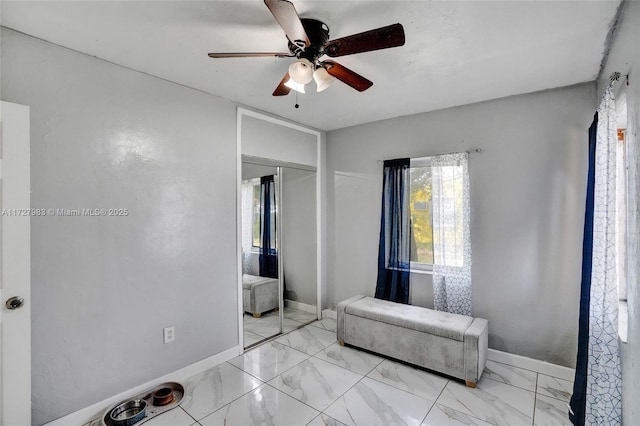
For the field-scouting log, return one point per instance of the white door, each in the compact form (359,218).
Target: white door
(15,266)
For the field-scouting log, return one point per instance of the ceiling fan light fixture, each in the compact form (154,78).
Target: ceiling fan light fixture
(301,71)
(323,79)
(291,84)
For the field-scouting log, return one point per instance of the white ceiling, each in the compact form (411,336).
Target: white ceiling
(457,52)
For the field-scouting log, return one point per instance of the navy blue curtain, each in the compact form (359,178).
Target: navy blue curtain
(268,255)
(577,404)
(395,233)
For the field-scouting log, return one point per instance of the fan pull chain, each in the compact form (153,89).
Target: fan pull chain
(297,105)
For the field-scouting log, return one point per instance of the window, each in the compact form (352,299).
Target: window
(421,217)
(622,208)
(448,184)
(256,216)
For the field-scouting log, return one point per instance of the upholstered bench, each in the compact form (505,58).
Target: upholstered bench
(259,294)
(451,344)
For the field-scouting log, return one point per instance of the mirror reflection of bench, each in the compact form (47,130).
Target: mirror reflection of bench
(455,345)
(259,294)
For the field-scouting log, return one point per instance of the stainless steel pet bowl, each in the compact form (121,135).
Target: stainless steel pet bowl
(128,413)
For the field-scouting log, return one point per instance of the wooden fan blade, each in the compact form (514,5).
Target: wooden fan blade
(347,76)
(250,55)
(282,90)
(381,38)
(286,15)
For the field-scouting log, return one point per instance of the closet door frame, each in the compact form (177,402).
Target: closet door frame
(320,159)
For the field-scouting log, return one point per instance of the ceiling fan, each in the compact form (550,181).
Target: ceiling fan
(309,41)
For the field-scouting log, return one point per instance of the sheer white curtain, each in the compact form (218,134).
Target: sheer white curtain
(451,233)
(604,375)
(247,223)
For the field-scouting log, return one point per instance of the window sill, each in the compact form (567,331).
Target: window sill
(257,249)
(414,271)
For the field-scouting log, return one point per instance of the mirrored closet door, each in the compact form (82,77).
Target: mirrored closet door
(260,283)
(279,272)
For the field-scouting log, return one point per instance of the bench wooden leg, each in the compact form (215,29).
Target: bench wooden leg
(257,315)
(341,342)
(470,384)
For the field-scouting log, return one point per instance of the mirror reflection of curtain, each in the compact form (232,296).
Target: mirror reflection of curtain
(268,252)
(451,233)
(247,204)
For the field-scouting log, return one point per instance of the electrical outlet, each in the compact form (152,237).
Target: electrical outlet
(169,334)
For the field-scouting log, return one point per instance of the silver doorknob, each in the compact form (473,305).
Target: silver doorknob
(14,302)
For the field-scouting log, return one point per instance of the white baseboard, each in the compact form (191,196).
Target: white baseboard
(538,366)
(329,313)
(97,410)
(519,361)
(301,306)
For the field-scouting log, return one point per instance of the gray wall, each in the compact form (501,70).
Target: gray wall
(299,234)
(103,288)
(264,139)
(624,57)
(527,199)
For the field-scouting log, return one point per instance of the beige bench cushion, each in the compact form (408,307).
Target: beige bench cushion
(451,326)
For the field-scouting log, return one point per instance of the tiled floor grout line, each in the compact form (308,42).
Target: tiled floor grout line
(360,379)
(262,342)
(194,419)
(246,372)
(310,421)
(473,416)
(274,336)
(554,398)
(436,400)
(395,387)
(319,359)
(280,373)
(293,397)
(535,402)
(376,366)
(365,375)
(258,320)
(374,379)
(515,366)
(343,394)
(508,384)
(233,400)
(526,369)
(262,382)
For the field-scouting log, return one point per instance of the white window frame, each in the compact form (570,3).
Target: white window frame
(254,182)
(257,249)
(623,218)
(421,267)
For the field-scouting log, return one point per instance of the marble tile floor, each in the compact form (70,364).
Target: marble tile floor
(267,326)
(306,378)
